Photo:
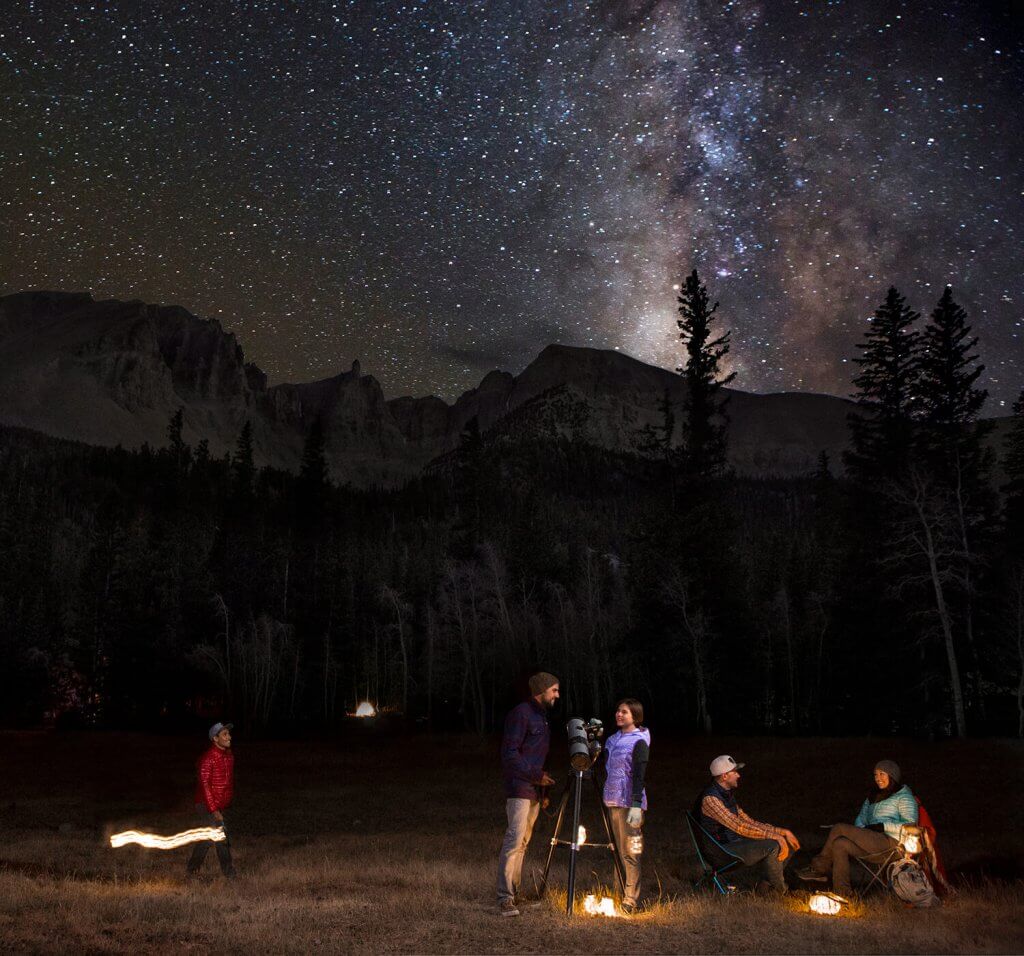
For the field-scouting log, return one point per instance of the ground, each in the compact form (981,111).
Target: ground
(382,842)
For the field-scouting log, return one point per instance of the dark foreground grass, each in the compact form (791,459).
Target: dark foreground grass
(377,843)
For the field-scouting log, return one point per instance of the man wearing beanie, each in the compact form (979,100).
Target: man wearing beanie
(524,748)
(890,805)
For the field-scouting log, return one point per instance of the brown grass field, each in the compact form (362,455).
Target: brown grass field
(377,842)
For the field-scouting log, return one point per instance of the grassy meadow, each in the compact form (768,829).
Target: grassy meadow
(377,842)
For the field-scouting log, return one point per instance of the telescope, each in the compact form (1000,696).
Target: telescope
(584,742)
(584,749)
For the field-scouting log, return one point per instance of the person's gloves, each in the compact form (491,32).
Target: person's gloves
(635,817)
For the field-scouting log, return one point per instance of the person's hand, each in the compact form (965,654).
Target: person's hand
(218,816)
(635,817)
(791,839)
(783,849)
(546,780)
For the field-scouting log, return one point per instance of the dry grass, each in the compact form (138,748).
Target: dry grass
(386,844)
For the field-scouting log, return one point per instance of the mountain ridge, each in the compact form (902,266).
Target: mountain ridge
(112,372)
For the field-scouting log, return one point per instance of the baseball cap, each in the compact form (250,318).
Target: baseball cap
(724,764)
(218,727)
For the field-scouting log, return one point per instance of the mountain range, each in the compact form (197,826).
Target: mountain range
(114,373)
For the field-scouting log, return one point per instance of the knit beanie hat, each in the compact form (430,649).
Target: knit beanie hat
(891,768)
(541,682)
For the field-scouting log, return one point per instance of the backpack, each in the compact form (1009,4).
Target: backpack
(910,883)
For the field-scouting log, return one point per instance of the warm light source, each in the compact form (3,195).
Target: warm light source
(581,836)
(605,906)
(154,841)
(827,904)
(366,709)
(910,838)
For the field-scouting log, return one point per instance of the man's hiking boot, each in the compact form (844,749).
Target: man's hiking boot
(628,907)
(508,908)
(809,875)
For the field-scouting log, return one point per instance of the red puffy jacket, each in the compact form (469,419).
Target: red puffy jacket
(216,784)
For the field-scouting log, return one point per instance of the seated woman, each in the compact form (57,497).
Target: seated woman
(888,807)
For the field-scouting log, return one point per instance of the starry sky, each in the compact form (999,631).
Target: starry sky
(442,188)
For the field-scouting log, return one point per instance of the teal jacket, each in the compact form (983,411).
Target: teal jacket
(893,812)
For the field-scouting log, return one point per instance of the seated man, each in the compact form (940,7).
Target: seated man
(752,842)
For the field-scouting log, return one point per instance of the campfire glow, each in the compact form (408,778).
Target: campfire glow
(156,842)
(366,709)
(605,906)
(827,904)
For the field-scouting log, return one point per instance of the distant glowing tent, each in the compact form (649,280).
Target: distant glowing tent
(365,709)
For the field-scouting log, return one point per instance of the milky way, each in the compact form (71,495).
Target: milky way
(439,189)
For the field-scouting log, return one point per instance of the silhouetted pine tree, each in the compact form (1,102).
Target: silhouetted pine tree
(180,452)
(952,452)
(881,434)
(657,442)
(1013,490)
(705,424)
(313,472)
(469,474)
(243,466)
(947,369)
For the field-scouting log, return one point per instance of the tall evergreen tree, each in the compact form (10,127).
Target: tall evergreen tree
(180,452)
(948,371)
(657,441)
(952,451)
(705,425)
(313,473)
(243,464)
(881,433)
(1013,490)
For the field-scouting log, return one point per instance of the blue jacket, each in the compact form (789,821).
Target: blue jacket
(524,748)
(894,811)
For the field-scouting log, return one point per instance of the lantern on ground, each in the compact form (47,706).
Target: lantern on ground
(599,906)
(826,904)
(911,839)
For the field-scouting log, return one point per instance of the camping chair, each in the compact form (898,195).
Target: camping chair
(707,847)
(878,865)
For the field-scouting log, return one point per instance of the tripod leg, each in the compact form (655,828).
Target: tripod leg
(570,889)
(620,872)
(558,826)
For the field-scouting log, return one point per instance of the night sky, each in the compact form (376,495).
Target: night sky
(439,189)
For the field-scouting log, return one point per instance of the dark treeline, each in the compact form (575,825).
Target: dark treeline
(151,588)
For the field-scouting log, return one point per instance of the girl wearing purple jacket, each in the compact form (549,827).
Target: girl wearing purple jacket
(628,751)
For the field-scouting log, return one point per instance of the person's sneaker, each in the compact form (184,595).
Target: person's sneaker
(508,908)
(628,907)
(811,876)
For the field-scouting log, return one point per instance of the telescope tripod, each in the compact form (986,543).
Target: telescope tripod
(574,790)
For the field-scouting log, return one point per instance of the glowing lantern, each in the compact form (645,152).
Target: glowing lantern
(581,836)
(605,906)
(154,841)
(910,837)
(366,709)
(827,904)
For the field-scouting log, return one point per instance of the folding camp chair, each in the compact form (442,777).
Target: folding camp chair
(707,847)
(878,866)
